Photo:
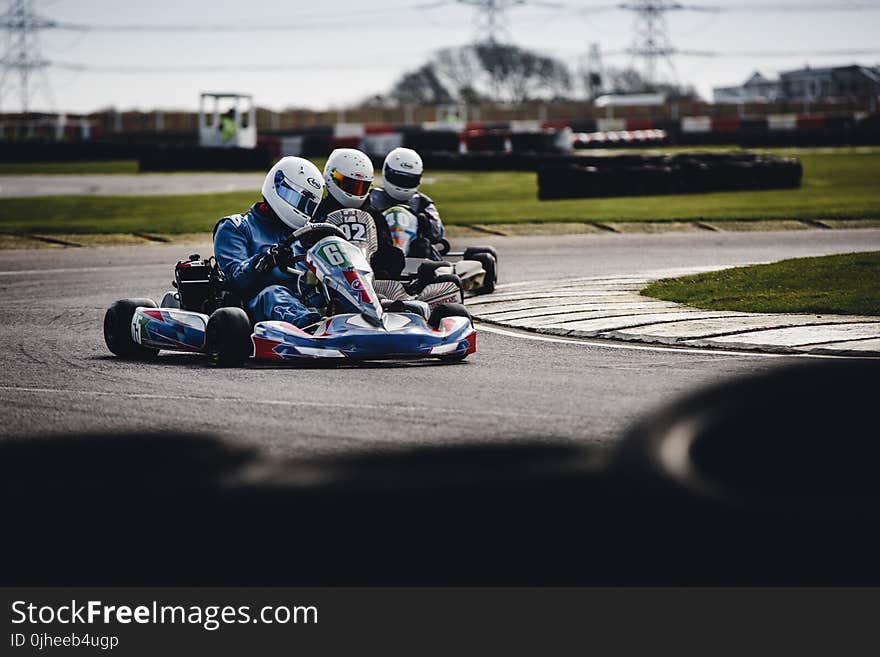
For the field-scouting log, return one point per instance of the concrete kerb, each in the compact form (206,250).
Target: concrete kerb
(612,308)
(25,241)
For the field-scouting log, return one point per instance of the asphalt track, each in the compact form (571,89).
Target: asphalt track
(58,376)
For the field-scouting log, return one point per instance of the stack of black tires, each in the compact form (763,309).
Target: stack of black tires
(684,173)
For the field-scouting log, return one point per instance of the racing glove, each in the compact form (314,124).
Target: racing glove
(277,256)
(420,247)
(424,224)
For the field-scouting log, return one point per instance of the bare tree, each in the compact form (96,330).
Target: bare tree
(421,87)
(630,81)
(485,72)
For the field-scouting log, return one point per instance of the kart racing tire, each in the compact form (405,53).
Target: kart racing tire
(444,310)
(471,251)
(228,337)
(427,271)
(441,312)
(443,246)
(490,264)
(170,300)
(117,329)
(419,308)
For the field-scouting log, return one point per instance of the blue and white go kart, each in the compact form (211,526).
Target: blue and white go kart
(378,329)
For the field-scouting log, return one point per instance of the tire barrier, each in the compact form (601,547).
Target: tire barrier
(29,151)
(206,159)
(685,173)
(506,146)
(446,141)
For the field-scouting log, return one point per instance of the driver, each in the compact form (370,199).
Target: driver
(402,172)
(348,175)
(247,246)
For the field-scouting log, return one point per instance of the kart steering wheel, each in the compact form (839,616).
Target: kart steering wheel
(311,234)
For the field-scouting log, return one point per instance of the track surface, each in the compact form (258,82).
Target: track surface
(59,377)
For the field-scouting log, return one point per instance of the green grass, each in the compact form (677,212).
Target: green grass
(841,184)
(120,214)
(838,184)
(37,168)
(74,168)
(838,284)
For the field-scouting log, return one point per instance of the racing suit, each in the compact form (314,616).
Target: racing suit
(240,241)
(387,262)
(430,225)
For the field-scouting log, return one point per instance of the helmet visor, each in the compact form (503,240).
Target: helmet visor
(303,200)
(350,185)
(402,178)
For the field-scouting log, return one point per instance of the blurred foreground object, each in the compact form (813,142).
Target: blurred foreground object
(769,479)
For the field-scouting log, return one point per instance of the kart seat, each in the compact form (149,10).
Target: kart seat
(465,269)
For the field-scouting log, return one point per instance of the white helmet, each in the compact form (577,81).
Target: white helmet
(402,172)
(348,174)
(293,189)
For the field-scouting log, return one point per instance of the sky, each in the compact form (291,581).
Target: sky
(327,55)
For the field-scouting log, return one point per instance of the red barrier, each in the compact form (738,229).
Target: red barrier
(345,142)
(639,124)
(379,129)
(811,121)
(725,124)
(556,124)
(271,143)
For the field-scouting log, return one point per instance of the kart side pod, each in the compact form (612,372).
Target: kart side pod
(166,328)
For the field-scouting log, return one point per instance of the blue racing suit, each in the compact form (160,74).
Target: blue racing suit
(240,240)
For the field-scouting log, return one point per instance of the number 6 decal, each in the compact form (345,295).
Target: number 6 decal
(333,255)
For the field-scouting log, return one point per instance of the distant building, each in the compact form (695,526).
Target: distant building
(757,89)
(805,84)
(837,82)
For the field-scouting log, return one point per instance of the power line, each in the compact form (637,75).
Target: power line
(211,68)
(763,7)
(491,23)
(21,56)
(652,44)
(651,40)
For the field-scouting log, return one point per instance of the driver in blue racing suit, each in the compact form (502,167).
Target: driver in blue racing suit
(402,173)
(248,247)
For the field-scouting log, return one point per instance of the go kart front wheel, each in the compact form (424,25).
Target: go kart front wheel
(441,312)
(228,337)
(117,329)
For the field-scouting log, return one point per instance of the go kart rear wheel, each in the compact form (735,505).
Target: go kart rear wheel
(228,337)
(117,329)
(490,265)
(471,251)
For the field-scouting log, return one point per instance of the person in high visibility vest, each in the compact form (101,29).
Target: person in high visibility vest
(228,128)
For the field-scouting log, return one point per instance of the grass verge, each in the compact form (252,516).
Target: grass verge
(37,168)
(839,184)
(846,284)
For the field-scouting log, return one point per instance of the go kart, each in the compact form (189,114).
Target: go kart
(476,266)
(430,282)
(204,317)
